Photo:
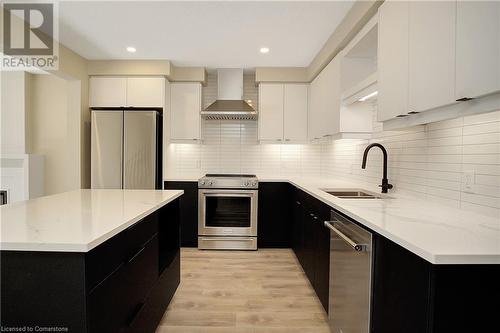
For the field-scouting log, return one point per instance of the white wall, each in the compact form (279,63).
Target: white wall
(53,123)
(14,101)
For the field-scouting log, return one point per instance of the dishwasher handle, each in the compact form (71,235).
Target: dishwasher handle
(353,244)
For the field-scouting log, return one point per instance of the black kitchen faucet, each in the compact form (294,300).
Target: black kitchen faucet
(385,182)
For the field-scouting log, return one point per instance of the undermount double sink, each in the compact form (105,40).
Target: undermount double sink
(354,194)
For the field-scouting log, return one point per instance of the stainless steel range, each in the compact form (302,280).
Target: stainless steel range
(227,216)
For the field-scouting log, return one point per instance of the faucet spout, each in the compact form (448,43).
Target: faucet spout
(385,182)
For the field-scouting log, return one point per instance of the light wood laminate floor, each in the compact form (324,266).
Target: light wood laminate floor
(262,291)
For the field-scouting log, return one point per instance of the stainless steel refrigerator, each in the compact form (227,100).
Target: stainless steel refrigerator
(126,148)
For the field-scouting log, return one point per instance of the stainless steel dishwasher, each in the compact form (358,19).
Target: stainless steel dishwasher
(350,276)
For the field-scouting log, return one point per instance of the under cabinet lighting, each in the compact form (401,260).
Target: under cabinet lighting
(362,99)
(131,49)
(264,50)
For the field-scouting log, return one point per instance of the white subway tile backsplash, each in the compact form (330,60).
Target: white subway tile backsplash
(425,161)
(482,118)
(481,138)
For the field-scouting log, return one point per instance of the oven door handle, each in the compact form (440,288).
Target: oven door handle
(242,194)
(211,238)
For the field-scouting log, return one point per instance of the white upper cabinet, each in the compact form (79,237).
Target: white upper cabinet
(392,59)
(185,107)
(271,97)
(324,106)
(327,116)
(313,121)
(295,112)
(478,48)
(107,91)
(434,54)
(330,92)
(431,54)
(126,91)
(145,91)
(283,112)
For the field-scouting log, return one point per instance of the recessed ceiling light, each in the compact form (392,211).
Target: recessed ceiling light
(264,49)
(131,49)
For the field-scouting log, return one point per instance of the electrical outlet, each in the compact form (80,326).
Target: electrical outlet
(469,179)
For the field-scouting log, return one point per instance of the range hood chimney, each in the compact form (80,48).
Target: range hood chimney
(229,104)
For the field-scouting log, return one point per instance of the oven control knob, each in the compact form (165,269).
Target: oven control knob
(210,183)
(202,182)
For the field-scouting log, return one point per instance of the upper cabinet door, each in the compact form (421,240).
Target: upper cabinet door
(295,112)
(330,96)
(271,111)
(393,59)
(185,107)
(313,123)
(107,91)
(145,91)
(431,54)
(478,48)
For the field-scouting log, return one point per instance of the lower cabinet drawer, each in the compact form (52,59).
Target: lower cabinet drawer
(113,305)
(108,257)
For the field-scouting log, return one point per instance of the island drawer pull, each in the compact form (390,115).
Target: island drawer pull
(132,258)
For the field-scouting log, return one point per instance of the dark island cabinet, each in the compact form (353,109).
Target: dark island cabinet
(122,285)
(188,213)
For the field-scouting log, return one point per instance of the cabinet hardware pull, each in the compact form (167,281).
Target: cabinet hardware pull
(136,255)
(401,115)
(413,112)
(106,278)
(353,244)
(464,99)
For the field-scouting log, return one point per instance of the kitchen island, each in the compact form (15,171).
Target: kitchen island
(89,260)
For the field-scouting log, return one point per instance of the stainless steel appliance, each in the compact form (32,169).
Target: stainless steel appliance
(227,216)
(126,148)
(350,276)
(229,104)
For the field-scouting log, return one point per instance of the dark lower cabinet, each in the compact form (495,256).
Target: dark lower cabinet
(322,258)
(122,285)
(401,289)
(188,212)
(273,219)
(310,240)
(412,295)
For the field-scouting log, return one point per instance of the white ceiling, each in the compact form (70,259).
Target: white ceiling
(210,34)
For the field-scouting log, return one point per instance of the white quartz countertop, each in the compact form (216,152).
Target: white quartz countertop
(435,232)
(76,221)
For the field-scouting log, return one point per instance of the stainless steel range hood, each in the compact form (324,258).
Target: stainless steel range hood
(229,104)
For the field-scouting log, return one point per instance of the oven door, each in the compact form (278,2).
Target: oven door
(227,212)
